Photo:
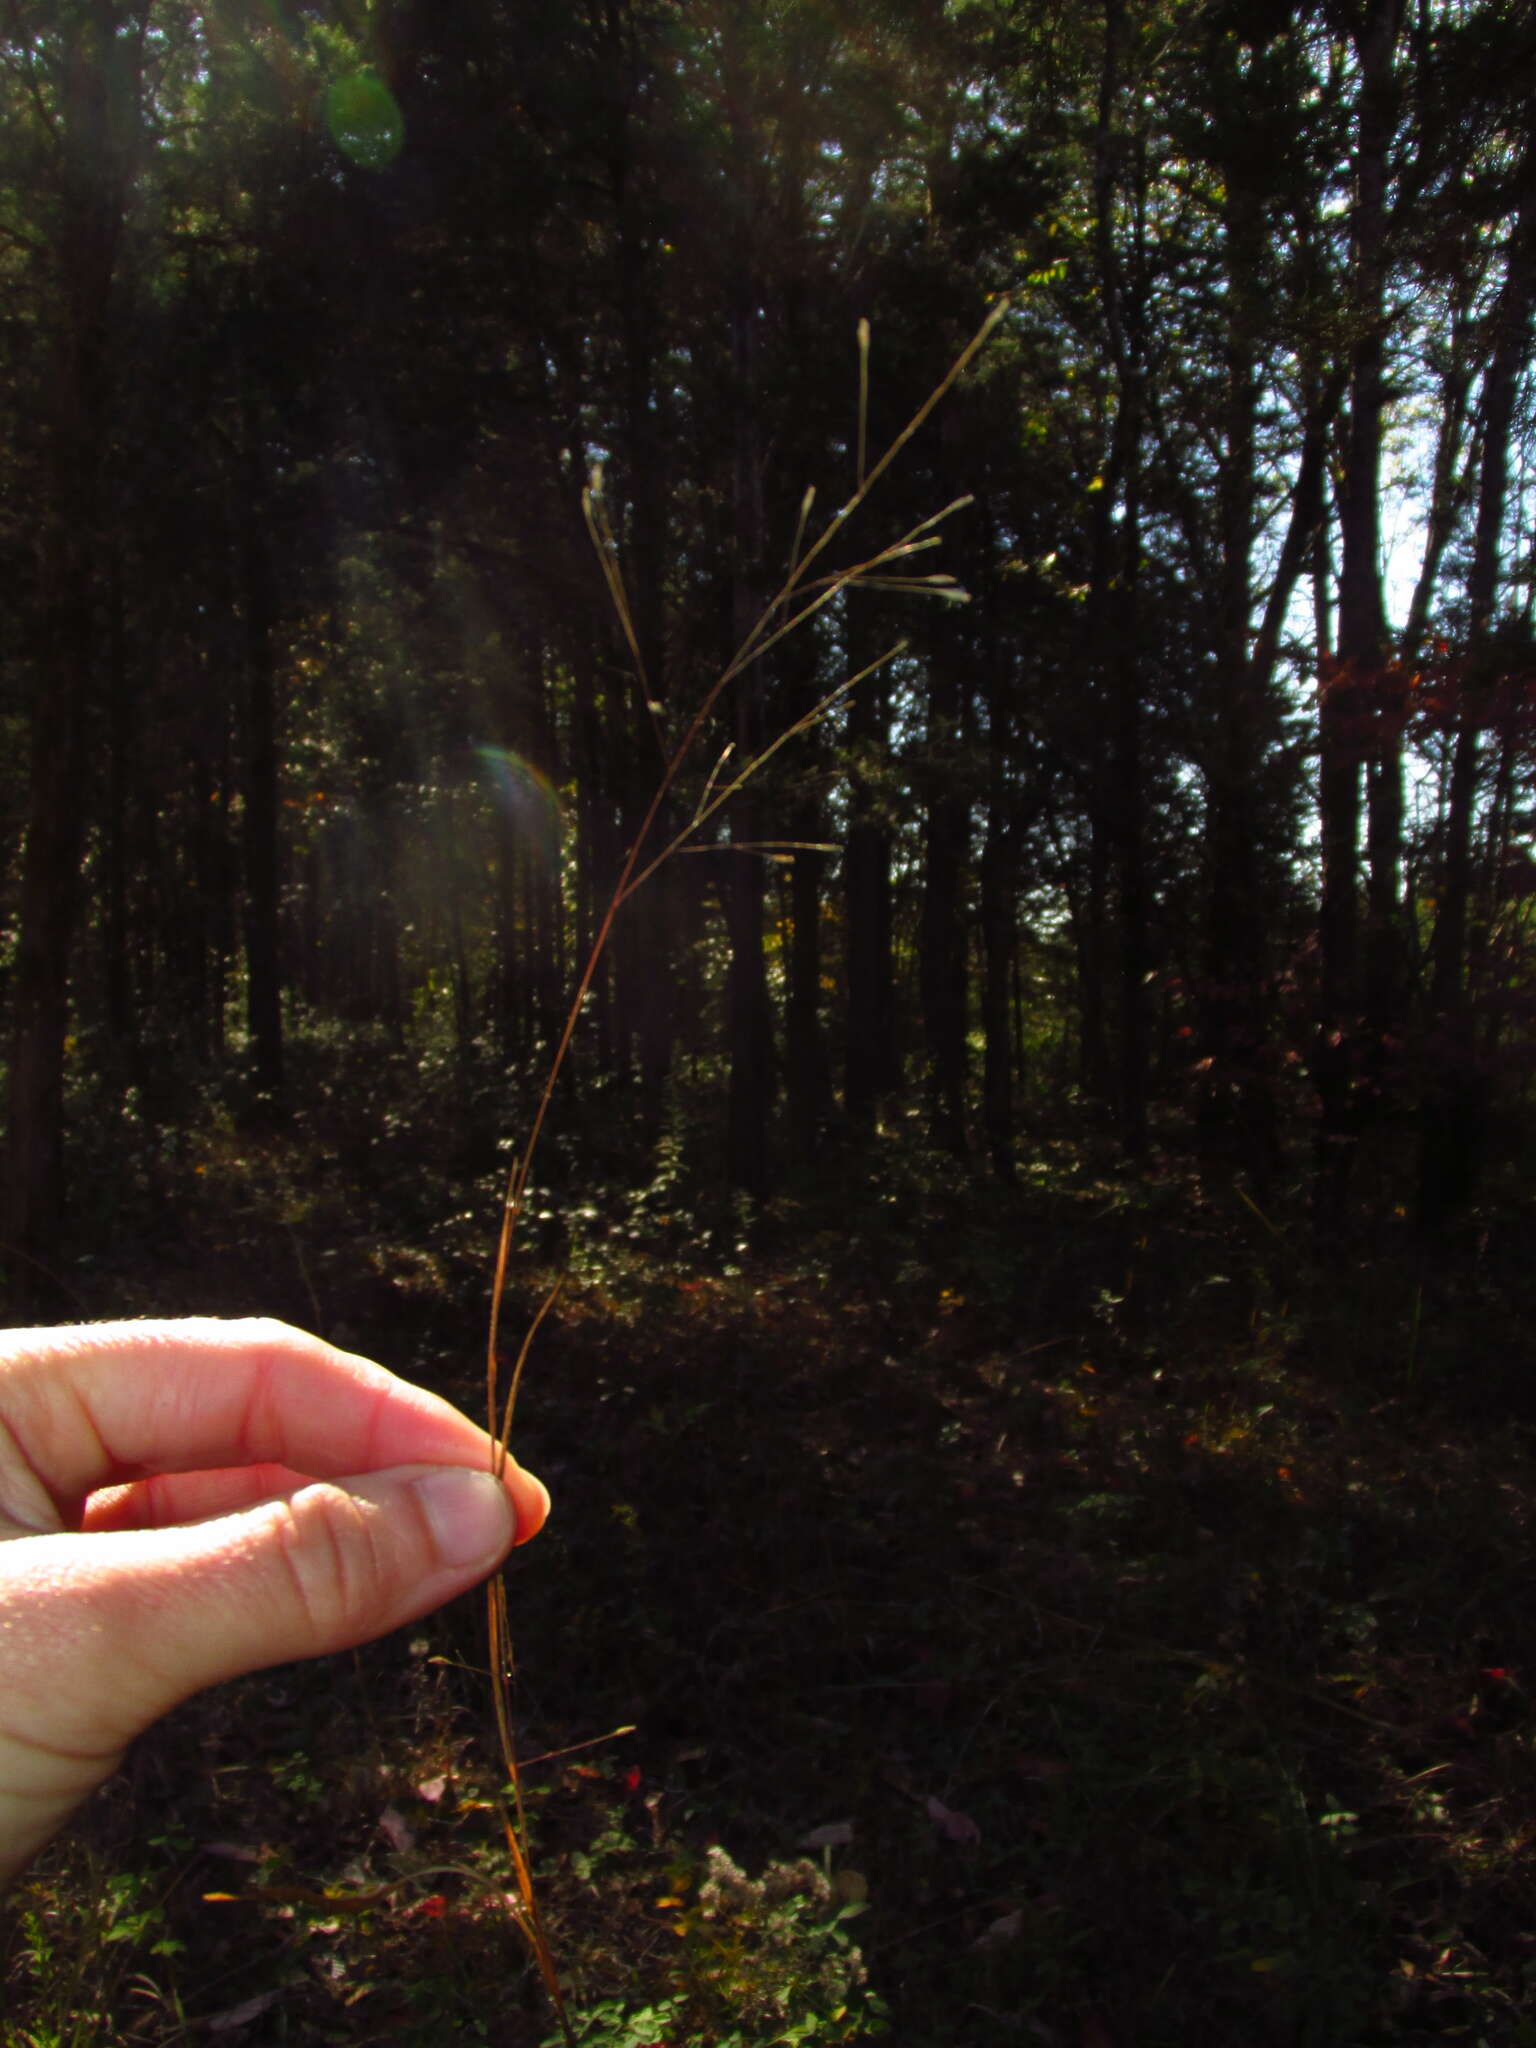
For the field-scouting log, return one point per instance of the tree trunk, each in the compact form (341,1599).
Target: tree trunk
(1348,697)
(1113,652)
(751,1041)
(56,816)
(1128,777)
(1453,1107)
(943,978)
(1238,1114)
(1091,932)
(998,947)
(807,1074)
(122,1015)
(262,860)
(869,1052)
(748,1009)
(92,169)
(807,1068)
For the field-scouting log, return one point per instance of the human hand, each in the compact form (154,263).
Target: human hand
(184,1501)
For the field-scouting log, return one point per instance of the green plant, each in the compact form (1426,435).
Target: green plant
(613,2023)
(760,1963)
(80,1941)
(298,1776)
(772,1956)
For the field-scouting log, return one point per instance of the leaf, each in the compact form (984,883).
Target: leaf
(1001,1932)
(432,1789)
(958,1826)
(241,2015)
(397,1830)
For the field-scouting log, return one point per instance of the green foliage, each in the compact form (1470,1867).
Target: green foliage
(85,1942)
(615,2023)
(761,1963)
(768,1958)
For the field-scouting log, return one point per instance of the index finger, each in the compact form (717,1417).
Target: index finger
(92,1406)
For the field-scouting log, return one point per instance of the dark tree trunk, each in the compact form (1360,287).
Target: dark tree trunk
(869,1052)
(807,1065)
(50,889)
(1090,930)
(650,983)
(645,957)
(1233,1026)
(1112,629)
(996,884)
(122,1015)
(748,1010)
(544,907)
(1131,806)
(1453,1106)
(999,977)
(1237,1112)
(92,168)
(1348,698)
(596,867)
(262,859)
(751,1041)
(943,978)
(807,1071)
(509,1010)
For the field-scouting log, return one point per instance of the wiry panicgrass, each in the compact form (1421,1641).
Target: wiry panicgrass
(799,598)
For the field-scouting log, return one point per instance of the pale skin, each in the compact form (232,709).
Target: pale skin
(181,1502)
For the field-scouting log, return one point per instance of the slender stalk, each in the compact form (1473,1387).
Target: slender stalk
(798,598)
(863,399)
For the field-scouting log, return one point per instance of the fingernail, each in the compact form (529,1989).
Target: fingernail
(471,1517)
(529,1528)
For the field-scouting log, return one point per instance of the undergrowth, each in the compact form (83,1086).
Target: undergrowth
(1068,1613)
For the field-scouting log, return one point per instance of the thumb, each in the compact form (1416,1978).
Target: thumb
(141,1618)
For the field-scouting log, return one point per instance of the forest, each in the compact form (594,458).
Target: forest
(910,627)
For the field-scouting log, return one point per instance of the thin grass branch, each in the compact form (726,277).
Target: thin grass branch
(799,598)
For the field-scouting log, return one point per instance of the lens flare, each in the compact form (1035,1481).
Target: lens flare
(527,796)
(365,119)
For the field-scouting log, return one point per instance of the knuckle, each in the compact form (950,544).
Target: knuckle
(331,1555)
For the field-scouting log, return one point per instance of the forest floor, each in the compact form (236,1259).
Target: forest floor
(1069,1614)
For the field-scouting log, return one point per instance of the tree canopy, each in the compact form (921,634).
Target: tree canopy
(1207,817)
